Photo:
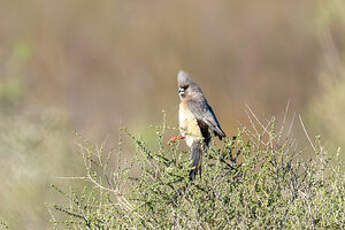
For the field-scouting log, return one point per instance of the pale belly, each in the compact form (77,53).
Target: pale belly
(188,125)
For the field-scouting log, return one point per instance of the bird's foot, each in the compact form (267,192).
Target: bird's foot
(174,139)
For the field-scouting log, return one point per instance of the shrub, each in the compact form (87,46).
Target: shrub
(255,180)
(3,224)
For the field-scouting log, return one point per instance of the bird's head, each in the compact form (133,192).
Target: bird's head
(186,86)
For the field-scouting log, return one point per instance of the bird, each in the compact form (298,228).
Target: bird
(196,120)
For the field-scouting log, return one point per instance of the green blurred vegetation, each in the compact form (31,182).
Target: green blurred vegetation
(34,149)
(35,146)
(11,92)
(22,51)
(325,111)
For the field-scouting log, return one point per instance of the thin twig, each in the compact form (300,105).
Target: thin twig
(72,177)
(257,119)
(306,133)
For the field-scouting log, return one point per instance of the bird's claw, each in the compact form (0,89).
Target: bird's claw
(174,139)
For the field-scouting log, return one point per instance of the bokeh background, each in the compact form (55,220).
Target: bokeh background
(94,66)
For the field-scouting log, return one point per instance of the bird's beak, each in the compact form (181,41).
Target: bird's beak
(180,90)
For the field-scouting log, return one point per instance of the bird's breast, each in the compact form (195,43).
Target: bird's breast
(188,125)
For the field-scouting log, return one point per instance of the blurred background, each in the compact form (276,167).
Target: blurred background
(94,66)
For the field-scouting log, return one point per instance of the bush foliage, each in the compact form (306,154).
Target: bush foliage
(255,180)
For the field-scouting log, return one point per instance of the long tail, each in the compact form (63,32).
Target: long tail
(196,160)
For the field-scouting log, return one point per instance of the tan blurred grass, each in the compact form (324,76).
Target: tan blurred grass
(105,61)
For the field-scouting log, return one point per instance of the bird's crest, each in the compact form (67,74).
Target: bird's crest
(184,78)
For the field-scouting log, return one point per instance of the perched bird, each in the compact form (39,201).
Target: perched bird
(196,120)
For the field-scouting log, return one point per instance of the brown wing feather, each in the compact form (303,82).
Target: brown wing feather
(204,113)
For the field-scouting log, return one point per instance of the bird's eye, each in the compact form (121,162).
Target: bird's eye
(185,87)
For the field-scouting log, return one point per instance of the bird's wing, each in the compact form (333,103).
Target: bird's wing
(204,113)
